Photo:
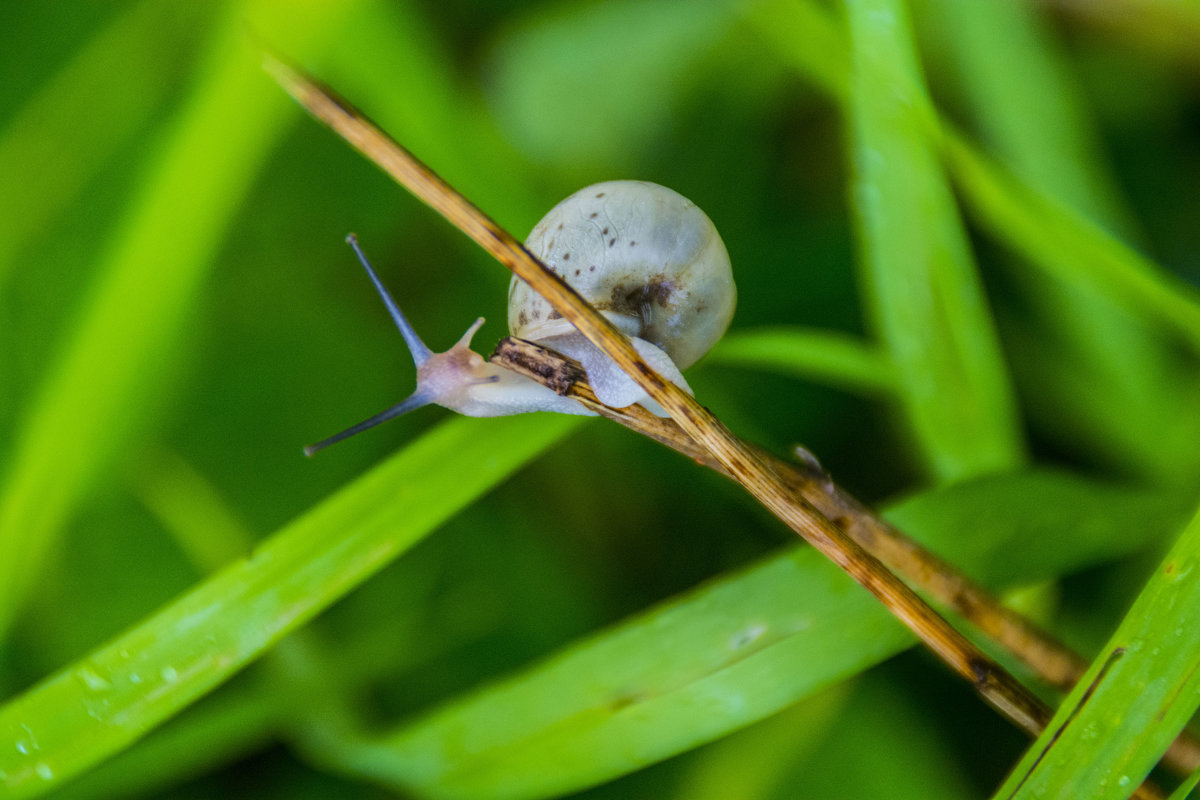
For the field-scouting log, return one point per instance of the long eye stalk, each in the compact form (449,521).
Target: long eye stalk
(413,401)
(419,350)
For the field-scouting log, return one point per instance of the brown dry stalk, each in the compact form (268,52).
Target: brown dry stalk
(711,441)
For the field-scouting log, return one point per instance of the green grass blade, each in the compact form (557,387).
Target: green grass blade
(921,286)
(1095,283)
(1185,789)
(1063,243)
(825,356)
(1041,129)
(739,649)
(666,682)
(1117,330)
(1039,228)
(1036,226)
(1040,125)
(1134,699)
(83,114)
(100,705)
(101,388)
(216,734)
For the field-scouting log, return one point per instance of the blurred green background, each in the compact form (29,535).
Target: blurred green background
(179,314)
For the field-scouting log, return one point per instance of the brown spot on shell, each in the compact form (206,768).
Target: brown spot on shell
(593,215)
(633,244)
(626,300)
(566,256)
(522,319)
(600,194)
(612,241)
(592,268)
(659,292)
(604,232)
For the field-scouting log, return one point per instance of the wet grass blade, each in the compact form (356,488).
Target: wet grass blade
(103,703)
(1136,697)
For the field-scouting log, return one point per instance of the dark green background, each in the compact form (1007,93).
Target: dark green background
(280,341)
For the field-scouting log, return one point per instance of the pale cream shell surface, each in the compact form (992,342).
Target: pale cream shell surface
(642,254)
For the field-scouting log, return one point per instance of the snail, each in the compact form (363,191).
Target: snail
(643,255)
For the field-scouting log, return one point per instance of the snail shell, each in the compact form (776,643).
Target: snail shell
(648,259)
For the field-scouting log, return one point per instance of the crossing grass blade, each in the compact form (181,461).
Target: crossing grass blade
(921,287)
(827,357)
(1042,130)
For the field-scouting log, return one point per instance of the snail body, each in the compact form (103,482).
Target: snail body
(643,255)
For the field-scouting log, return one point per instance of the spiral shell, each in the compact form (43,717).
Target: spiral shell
(642,254)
